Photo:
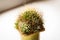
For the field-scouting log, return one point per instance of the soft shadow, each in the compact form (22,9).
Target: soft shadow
(1,12)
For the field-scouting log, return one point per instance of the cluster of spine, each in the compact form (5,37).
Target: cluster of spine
(30,22)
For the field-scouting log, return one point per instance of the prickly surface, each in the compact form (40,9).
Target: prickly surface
(30,22)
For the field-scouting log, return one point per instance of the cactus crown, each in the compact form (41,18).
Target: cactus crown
(30,22)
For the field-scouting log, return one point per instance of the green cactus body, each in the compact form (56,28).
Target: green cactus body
(34,36)
(30,24)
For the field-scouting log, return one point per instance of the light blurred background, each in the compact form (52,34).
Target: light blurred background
(9,4)
(51,15)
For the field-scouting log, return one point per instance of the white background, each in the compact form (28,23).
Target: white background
(51,16)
